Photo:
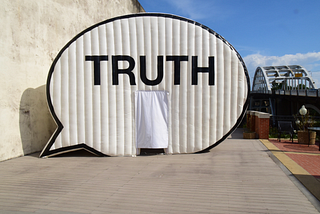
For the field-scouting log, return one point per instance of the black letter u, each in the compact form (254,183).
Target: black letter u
(143,74)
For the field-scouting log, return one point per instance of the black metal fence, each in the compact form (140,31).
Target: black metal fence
(274,120)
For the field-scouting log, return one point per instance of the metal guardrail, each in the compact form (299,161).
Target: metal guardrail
(303,93)
(275,118)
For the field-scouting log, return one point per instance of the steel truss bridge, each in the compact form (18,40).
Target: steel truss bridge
(282,90)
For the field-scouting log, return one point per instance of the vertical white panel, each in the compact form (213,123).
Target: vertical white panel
(126,106)
(148,49)
(234,87)
(183,95)
(80,90)
(162,50)
(72,90)
(140,49)
(190,90)
(153,73)
(197,110)
(96,128)
(111,27)
(213,94)
(130,140)
(174,113)
(104,76)
(205,92)
(220,89)
(227,88)
(119,49)
(65,100)
(168,77)
(118,40)
(88,82)
(110,102)
(169,49)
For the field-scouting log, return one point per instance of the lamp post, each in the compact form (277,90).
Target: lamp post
(303,111)
(302,123)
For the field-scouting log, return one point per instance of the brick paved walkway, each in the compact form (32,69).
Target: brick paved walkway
(287,146)
(238,176)
(306,156)
(311,163)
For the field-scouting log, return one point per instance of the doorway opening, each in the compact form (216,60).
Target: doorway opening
(151,109)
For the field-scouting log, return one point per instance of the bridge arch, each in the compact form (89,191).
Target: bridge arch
(285,77)
(282,90)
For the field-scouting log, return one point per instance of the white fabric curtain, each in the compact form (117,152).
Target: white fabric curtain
(151,119)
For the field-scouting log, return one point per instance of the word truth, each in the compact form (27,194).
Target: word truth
(177,60)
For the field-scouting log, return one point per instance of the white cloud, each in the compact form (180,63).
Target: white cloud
(310,61)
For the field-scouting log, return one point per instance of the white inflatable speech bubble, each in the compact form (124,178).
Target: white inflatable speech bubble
(145,81)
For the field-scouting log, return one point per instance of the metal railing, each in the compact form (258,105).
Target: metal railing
(275,118)
(301,92)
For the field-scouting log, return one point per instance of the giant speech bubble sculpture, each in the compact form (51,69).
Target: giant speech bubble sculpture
(145,81)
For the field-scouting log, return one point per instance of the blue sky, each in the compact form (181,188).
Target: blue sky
(264,32)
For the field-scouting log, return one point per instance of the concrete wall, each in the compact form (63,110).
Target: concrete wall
(32,33)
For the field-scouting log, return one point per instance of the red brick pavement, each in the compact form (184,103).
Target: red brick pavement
(310,163)
(308,157)
(288,146)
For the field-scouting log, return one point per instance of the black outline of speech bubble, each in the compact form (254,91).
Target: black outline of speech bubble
(46,151)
